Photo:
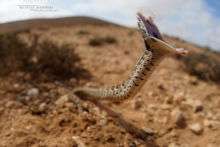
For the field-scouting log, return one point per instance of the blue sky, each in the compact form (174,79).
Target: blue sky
(213,7)
(197,21)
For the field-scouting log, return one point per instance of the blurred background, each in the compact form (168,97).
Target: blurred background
(196,21)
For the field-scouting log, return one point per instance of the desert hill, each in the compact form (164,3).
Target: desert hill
(178,106)
(52,22)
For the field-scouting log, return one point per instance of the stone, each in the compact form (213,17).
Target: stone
(161,86)
(174,134)
(9,104)
(103,122)
(178,117)
(28,127)
(13,104)
(16,85)
(196,128)
(166,107)
(180,94)
(169,100)
(160,119)
(33,92)
(42,107)
(69,105)
(193,81)
(147,130)
(73,81)
(152,106)
(62,90)
(210,123)
(152,94)
(132,144)
(197,106)
(209,115)
(178,97)
(78,141)
(1,109)
(137,103)
(173,144)
(62,100)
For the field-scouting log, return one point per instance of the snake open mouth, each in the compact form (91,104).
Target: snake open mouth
(150,30)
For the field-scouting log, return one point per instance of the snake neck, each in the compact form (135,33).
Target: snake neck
(145,66)
(142,71)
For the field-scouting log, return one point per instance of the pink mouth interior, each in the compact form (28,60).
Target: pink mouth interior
(182,50)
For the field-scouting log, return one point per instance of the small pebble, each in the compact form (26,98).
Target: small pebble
(9,104)
(147,130)
(62,100)
(174,134)
(78,141)
(210,123)
(69,105)
(16,85)
(42,107)
(133,144)
(161,86)
(193,81)
(33,92)
(197,106)
(103,122)
(169,100)
(178,97)
(178,117)
(137,103)
(196,128)
(152,94)
(173,144)
(166,107)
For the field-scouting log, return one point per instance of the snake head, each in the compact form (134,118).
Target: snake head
(153,38)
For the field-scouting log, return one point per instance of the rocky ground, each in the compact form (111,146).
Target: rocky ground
(175,108)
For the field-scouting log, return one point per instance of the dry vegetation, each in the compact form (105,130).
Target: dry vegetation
(201,62)
(45,58)
(101,41)
(205,65)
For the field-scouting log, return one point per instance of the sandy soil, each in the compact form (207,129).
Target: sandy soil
(176,108)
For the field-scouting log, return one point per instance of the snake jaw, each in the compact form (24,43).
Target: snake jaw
(149,30)
(142,28)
